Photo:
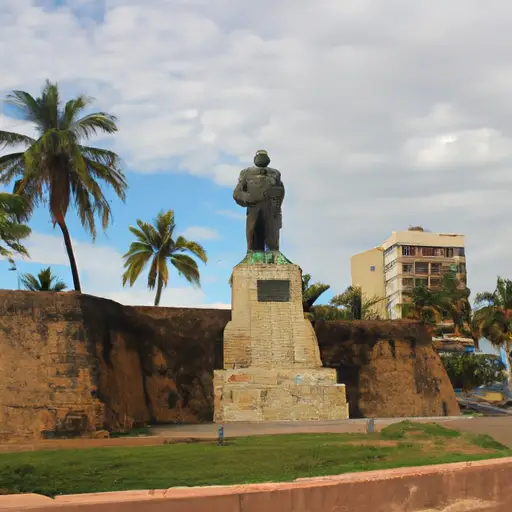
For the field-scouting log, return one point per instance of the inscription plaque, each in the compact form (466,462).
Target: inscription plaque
(273,290)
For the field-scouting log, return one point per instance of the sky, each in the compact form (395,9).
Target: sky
(379,115)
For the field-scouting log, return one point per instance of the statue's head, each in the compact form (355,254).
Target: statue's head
(261,159)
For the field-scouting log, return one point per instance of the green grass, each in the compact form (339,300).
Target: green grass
(243,460)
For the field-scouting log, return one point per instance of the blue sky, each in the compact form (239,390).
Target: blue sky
(379,117)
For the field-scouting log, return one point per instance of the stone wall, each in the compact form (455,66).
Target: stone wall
(389,368)
(67,359)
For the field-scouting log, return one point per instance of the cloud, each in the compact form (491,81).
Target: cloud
(379,116)
(101,268)
(231,214)
(200,233)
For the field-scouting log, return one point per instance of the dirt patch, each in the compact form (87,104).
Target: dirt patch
(382,444)
(77,444)
(453,446)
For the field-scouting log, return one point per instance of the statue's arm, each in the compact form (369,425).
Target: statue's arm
(240,194)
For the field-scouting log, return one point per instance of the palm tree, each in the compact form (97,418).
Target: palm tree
(12,229)
(422,304)
(44,282)
(493,319)
(454,304)
(55,168)
(157,243)
(311,292)
(358,306)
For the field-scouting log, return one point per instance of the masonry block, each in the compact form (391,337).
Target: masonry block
(272,366)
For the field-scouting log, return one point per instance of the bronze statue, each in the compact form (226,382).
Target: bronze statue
(261,191)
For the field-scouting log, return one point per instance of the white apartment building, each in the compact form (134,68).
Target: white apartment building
(407,259)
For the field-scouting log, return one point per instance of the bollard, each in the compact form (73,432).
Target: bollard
(221,436)
(370,426)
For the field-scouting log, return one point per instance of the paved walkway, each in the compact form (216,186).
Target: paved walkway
(500,428)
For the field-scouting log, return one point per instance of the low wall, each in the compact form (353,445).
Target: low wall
(465,487)
(73,363)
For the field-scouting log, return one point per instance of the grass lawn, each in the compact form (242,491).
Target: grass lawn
(243,460)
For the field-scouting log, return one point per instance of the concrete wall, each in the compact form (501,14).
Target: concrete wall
(466,487)
(367,272)
(68,358)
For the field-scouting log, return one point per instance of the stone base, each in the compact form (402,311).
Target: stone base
(257,394)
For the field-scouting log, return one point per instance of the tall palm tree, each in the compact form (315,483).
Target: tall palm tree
(12,229)
(493,318)
(311,292)
(44,282)
(158,243)
(56,168)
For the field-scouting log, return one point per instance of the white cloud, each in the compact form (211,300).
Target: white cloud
(200,233)
(231,214)
(352,99)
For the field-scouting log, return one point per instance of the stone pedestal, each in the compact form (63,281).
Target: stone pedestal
(272,366)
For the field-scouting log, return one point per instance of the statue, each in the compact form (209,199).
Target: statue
(261,191)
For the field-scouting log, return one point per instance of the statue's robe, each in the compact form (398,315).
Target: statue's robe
(261,191)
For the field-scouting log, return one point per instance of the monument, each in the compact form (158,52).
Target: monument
(272,366)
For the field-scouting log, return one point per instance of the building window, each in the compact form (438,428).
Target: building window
(407,268)
(389,265)
(448,252)
(421,267)
(435,282)
(438,251)
(372,268)
(422,282)
(407,282)
(462,268)
(461,251)
(389,249)
(407,250)
(427,251)
(435,268)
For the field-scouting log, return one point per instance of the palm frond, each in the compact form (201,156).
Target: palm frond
(92,124)
(11,139)
(134,265)
(312,293)
(73,109)
(49,103)
(184,245)
(27,106)
(153,272)
(187,268)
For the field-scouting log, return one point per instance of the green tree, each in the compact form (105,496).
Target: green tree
(56,168)
(45,281)
(12,229)
(449,302)
(311,292)
(357,306)
(158,243)
(493,318)
(468,371)
(423,304)
(455,305)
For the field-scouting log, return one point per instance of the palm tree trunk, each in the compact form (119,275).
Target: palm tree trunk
(159,287)
(71,255)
